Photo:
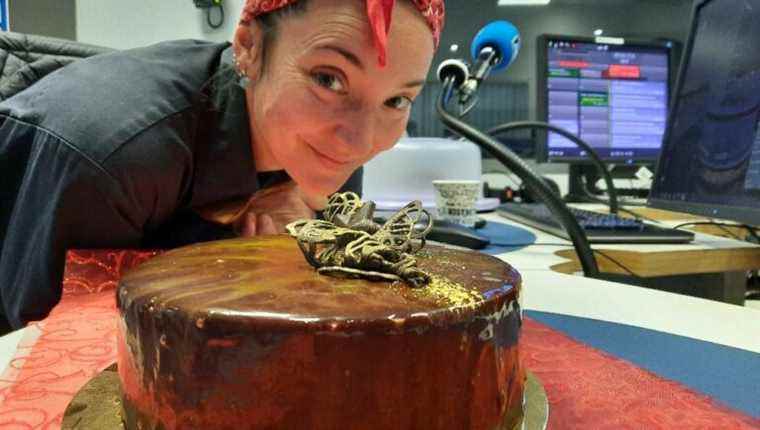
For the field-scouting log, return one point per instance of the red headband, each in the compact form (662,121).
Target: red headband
(378,11)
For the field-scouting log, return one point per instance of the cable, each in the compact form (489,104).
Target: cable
(526,174)
(752,232)
(537,125)
(729,232)
(689,224)
(640,217)
(221,16)
(716,224)
(617,263)
(719,225)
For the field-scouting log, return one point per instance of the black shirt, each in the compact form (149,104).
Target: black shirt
(113,151)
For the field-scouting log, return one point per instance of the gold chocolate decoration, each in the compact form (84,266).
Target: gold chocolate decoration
(349,243)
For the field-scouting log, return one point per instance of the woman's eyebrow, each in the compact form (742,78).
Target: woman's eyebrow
(353,59)
(417,83)
(348,55)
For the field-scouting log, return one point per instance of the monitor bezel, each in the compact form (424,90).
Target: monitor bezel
(741,214)
(542,100)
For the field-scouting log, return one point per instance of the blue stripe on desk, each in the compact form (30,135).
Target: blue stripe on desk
(727,374)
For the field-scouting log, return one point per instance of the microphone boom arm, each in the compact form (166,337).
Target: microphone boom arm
(531,180)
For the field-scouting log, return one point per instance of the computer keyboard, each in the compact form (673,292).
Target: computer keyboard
(599,227)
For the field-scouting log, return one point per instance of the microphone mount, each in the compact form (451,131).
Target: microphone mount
(467,79)
(487,59)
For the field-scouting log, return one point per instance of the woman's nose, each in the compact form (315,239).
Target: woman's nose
(356,134)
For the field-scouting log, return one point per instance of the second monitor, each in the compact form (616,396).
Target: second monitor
(612,93)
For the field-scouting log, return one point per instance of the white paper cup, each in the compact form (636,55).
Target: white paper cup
(455,200)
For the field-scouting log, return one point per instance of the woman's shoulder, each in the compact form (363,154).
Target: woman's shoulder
(106,99)
(187,59)
(173,72)
(168,70)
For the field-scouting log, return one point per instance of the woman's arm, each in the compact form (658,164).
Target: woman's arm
(53,198)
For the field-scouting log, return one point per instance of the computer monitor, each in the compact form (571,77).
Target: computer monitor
(611,92)
(710,161)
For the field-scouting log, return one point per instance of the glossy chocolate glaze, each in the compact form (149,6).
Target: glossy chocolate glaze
(245,334)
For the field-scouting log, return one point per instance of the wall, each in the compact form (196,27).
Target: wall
(55,18)
(127,24)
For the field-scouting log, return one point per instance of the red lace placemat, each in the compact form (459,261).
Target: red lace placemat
(58,355)
(586,388)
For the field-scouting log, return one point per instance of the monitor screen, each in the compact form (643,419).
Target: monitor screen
(613,93)
(710,162)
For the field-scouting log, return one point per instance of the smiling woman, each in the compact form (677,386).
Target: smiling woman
(140,148)
(324,105)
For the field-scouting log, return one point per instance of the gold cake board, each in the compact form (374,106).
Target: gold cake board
(97,405)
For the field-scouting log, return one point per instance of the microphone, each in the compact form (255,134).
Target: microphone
(501,36)
(494,47)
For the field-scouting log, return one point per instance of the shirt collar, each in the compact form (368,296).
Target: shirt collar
(224,166)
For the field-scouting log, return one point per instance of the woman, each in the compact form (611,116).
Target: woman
(157,147)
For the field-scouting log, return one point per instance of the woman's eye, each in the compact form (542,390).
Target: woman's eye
(329,81)
(400,103)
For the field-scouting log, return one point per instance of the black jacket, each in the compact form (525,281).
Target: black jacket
(113,151)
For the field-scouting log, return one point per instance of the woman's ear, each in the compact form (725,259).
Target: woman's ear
(248,46)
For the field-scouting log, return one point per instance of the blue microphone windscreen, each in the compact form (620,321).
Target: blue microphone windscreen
(502,36)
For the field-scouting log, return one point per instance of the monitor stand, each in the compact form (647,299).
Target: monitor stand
(580,174)
(583,177)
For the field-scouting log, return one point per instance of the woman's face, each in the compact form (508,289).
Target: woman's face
(322,106)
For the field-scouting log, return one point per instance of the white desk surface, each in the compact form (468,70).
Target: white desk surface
(574,295)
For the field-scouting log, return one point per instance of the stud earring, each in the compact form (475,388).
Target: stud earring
(239,69)
(241,74)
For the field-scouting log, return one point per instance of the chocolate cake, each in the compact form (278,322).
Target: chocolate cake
(245,334)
